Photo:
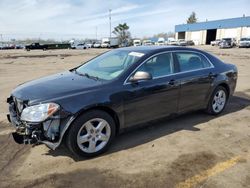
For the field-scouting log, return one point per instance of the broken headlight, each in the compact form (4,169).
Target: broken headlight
(39,113)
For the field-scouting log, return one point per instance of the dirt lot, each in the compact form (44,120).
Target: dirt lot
(194,150)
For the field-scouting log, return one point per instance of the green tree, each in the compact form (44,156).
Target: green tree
(192,18)
(121,31)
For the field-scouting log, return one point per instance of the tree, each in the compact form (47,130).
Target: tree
(192,18)
(121,31)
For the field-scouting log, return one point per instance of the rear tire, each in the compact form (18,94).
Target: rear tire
(218,101)
(91,134)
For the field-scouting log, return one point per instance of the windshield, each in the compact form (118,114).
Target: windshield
(109,65)
(245,39)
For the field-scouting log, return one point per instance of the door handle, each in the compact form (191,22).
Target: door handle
(212,75)
(171,82)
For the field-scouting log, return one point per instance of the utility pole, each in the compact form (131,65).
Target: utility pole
(96,32)
(1,38)
(110,23)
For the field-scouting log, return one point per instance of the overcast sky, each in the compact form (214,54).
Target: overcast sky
(65,19)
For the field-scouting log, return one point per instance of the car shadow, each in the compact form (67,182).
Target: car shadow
(156,129)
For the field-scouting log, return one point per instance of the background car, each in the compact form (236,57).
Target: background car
(147,43)
(89,44)
(137,42)
(8,47)
(181,42)
(244,42)
(80,46)
(190,43)
(215,42)
(36,46)
(227,43)
(88,105)
(18,46)
(97,44)
(171,41)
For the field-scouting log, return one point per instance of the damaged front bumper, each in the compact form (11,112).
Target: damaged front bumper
(49,132)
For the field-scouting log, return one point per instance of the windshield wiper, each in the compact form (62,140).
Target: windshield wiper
(87,75)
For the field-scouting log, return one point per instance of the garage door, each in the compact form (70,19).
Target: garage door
(248,32)
(196,37)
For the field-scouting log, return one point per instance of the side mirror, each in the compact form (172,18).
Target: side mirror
(140,75)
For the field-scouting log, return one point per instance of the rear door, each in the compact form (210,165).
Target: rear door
(196,74)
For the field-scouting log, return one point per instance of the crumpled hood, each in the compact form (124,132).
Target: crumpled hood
(54,86)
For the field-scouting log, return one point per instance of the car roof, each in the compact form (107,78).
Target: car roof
(156,49)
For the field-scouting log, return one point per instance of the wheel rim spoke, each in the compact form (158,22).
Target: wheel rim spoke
(100,126)
(103,137)
(220,94)
(89,127)
(84,138)
(215,106)
(92,146)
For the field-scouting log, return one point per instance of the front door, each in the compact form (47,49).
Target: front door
(152,99)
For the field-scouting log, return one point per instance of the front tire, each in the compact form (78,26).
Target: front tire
(91,134)
(218,101)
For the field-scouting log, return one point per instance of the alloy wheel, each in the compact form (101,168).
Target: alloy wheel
(93,135)
(219,101)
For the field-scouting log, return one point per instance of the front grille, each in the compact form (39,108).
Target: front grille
(18,106)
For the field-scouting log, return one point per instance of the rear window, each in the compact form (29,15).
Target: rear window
(189,61)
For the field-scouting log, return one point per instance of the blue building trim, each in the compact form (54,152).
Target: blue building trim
(217,24)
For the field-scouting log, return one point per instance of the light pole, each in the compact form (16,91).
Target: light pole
(96,32)
(1,38)
(110,23)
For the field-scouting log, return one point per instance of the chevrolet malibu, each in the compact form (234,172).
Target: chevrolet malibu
(87,106)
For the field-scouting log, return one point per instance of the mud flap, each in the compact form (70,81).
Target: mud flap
(18,138)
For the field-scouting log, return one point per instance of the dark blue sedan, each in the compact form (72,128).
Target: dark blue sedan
(90,104)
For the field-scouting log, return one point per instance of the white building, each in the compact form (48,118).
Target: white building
(205,32)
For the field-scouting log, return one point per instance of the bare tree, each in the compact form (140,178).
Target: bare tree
(164,35)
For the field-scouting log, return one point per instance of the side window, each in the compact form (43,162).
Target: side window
(159,65)
(191,61)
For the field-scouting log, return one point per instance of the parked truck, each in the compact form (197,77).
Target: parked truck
(110,43)
(147,43)
(36,46)
(171,41)
(136,42)
(161,41)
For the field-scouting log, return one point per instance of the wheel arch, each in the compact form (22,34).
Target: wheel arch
(223,84)
(226,86)
(106,109)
